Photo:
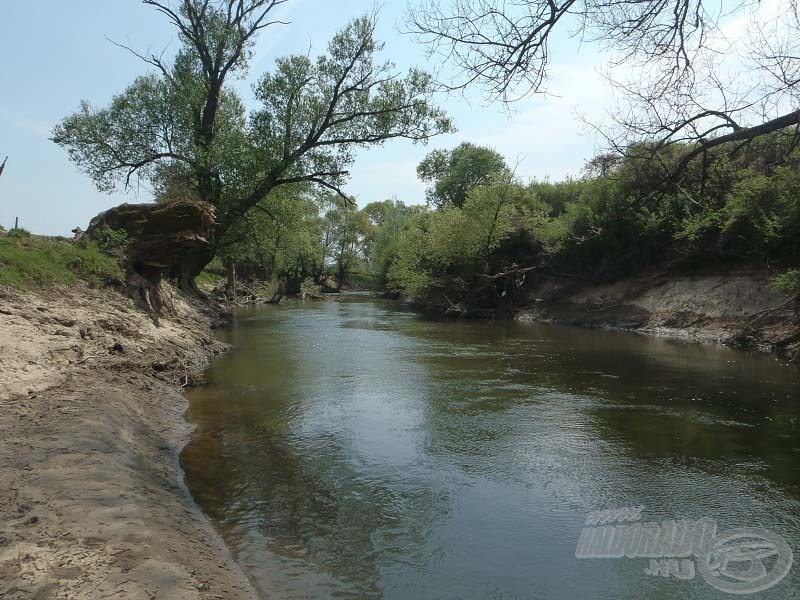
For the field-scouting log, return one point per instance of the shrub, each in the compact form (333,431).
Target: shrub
(788,282)
(309,288)
(18,233)
(108,238)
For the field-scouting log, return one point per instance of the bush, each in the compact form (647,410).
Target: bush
(18,233)
(34,262)
(309,288)
(788,282)
(453,249)
(108,238)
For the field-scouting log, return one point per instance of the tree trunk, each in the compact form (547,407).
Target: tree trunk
(188,269)
(278,295)
(171,239)
(230,268)
(143,286)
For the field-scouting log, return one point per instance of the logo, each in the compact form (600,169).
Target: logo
(744,560)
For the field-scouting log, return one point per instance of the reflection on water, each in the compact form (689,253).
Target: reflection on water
(356,450)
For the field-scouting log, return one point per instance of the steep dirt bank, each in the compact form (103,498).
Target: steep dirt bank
(705,306)
(92,503)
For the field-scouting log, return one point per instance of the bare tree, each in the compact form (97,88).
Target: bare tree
(680,89)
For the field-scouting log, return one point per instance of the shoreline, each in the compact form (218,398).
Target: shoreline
(733,307)
(93,501)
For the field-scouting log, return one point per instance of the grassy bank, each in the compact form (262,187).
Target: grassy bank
(30,262)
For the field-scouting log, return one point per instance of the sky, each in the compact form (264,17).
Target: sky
(56,53)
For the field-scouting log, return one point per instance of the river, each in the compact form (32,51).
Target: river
(356,449)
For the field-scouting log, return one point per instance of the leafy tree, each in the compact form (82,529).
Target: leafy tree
(349,235)
(469,254)
(183,124)
(380,212)
(603,164)
(279,239)
(390,221)
(452,174)
(788,282)
(557,195)
(738,205)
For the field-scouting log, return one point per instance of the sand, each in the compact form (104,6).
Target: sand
(92,500)
(715,306)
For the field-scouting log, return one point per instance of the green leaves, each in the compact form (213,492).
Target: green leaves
(185,133)
(451,248)
(315,113)
(788,282)
(454,173)
(615,221)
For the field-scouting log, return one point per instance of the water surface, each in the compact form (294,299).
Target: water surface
(353,449)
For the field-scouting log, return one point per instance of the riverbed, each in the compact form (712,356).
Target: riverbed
(356,449)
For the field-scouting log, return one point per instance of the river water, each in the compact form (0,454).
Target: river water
(354,449)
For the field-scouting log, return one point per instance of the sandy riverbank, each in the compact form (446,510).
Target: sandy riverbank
(92,502)
(730,306)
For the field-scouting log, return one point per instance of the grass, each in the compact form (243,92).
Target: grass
(208,279)
(212,274)
(34,262)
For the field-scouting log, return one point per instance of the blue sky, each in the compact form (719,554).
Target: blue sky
(55,53)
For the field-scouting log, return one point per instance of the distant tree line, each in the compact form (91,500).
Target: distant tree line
(617,219)
(695,169)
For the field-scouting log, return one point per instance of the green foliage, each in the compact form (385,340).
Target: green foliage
(215,268)
(108,238)
(558,195)
(212,274)
(452,249)
(309,288)
(279,238)
(348,237)
(187,134)
(624,216)
(452,174)
(731,207)
(34,262)
(208,279)
(390,221)
(788,282)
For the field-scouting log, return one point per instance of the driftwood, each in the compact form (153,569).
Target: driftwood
(767,312)
(515,271)
(240,295)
